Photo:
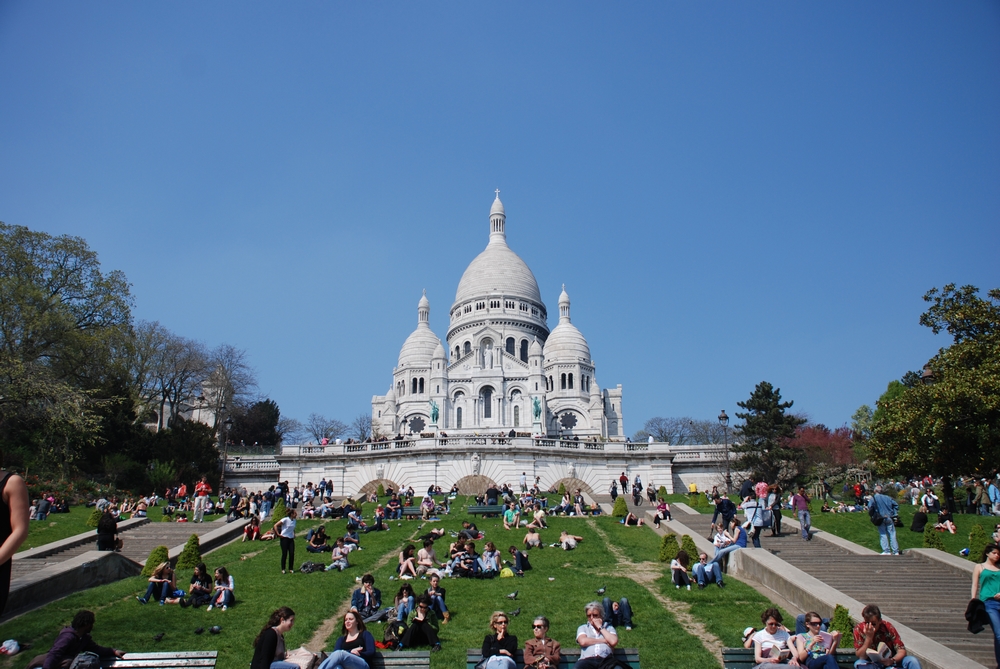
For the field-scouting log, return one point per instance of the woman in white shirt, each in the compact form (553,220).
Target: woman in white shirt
(771,645)
(285,531)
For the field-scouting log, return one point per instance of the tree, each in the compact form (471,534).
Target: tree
(824,449)
(321,427)
(290,430)
(157,556)
(763,440)
(668,430)
(256,424)
(231,381)
(950,425)
(668,547)
(190,557)
(362,426)
(161,475)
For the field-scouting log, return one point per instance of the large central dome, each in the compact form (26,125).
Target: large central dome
(498,269)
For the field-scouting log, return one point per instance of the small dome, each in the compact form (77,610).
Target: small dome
(424,302)
(497,207)
(535,348)
(420,345)
(566,344)
(439,353)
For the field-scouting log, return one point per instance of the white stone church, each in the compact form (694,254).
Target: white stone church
(503,369)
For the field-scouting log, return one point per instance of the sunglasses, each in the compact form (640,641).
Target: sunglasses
(501,622)
(813,622)
(594,615)
(538,627)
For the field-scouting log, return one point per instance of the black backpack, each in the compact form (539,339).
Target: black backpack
(394,632)
(310,567)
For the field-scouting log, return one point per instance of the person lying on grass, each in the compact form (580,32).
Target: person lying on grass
(532,539)
(633,520)
(568,541)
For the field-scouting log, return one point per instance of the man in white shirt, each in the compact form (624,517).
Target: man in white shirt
(597,638)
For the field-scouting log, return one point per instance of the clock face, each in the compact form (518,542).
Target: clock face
(568,421)
(417,424)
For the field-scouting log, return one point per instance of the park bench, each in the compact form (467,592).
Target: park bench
(411,512)
(629,656)
(485,510)
(203,659)
(402,659)
(742,658)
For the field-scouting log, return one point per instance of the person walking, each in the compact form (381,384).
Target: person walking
(986,588)
(201,493)
(800,502)
(285,531)
(886,509)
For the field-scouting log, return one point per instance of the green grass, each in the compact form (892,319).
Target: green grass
(260,588)
(57,526)
(858,528)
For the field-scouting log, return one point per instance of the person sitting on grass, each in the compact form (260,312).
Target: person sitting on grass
(73,640)
(707,572)
(436,594)
(739,537)
(489,561)
(224,594)
(541,652)
(367,600)
(338,557)
(945,523)
(269,646)
(679,570)
(407,562)
(579,508)
(633,520)
(251,531)
(511,518)
(162,584)
(427,559)
(538,518)
(596,637)
(564,506)
(520,558)
(404,601)
(532,539)
(569,541)
(469,531)
(499,648)
(200,590)
(319,542)
(354,649)
(772,645)
(816,649)
(422,630)
(919,520)
(618,614)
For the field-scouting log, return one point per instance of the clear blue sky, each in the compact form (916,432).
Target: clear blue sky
(731,192)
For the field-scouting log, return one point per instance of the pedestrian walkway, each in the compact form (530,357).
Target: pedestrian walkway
(926,595)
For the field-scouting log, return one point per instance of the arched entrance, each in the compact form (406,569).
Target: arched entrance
(372,486)
(572,484)
(474,485)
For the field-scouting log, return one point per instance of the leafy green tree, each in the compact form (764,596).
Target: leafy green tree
(689,547)
(950,425)
(763,440)
(279,511)
(668,547)
(191,555)
(257,424)
(161,475)
(620,509)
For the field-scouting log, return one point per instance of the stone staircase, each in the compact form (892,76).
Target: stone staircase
(926,595)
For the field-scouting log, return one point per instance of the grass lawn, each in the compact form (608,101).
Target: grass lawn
(57,526)
(559,586)
(858,528)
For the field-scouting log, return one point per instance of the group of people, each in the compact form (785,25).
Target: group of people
(217,591)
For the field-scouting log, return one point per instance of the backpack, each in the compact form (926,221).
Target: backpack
(394,632)
(310,567)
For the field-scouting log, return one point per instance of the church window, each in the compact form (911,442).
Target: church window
(534,312)
(487,395)
(458,352)
(379,414)
(523,306)
(414,389)
(510,345)
(536,386)
(437,390)
(552,385)
(494,304)
(458,417)
(467,309)
(509,304)
(562,382)
(524,350)
(517,416)
(468,348)
(571,382)
(421,391)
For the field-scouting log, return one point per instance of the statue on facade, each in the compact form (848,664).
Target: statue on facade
(380,470)
(536,408)
(475,463)
(435,412)
(572,470)
(488,358)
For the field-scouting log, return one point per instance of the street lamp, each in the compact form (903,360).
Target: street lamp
(724,422)
(927,377)
(227,425)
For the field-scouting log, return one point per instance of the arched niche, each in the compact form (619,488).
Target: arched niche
(475,485)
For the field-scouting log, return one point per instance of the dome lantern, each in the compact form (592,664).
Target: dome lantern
(498,219)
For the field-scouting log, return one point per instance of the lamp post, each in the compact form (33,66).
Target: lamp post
(927,377)
(724,421)
(227,425)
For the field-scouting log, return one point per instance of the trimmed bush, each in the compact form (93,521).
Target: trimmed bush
(669,547)
(562,488)
(166,519)
(687,545)
(662,492)
(279,511)
(191,555)
(157,556)
(95,517)
(932,539)
(621,508)
(977,543)
(842,621)
(381,490)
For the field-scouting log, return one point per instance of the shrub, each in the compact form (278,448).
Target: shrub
(381,490)
(95,517)
(621,508)
(562,488)
(669,547)
(279,511)
(156,556)
(932,539)
(166,519)
(687,545)
(977,542)
(191,555)
(842,621)
(662,492)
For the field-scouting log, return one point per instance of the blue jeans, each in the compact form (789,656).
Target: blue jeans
(887,537)
(723,552)
(993,611)
(223,598)
(158,591)
(804,523)
(705,573)
(438,605)
(404,608)
(822,662)
(280,664)
(501,662)
(909,662)
(342,659)
(621,617)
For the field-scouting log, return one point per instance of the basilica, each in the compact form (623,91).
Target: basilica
(502,370)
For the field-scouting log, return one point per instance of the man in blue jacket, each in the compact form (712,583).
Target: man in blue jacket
(888,509)
(367,601)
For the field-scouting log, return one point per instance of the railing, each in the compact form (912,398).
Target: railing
(256,464)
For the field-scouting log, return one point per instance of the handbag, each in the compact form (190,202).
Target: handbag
(876,517)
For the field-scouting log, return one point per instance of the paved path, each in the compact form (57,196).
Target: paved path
(139,541)
(924,594)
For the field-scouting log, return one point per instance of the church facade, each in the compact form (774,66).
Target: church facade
(502,369)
